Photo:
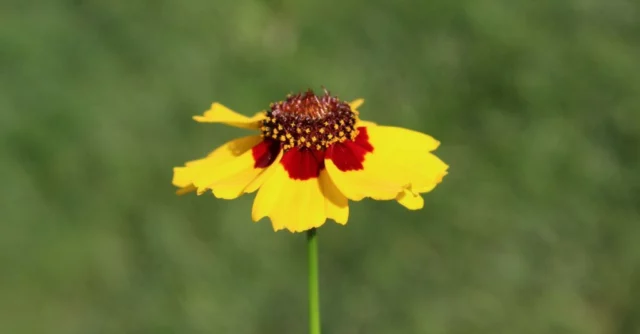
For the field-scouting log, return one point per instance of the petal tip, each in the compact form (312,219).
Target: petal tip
(342,222)
(355,104)
(185,190)
(441,176)
(410,200)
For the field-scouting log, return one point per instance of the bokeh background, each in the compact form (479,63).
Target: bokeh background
(535,230)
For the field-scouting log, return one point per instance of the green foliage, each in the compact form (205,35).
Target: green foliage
(533,231)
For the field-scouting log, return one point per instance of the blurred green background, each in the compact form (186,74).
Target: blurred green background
(535,229)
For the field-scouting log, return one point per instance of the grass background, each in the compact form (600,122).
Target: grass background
(535,229)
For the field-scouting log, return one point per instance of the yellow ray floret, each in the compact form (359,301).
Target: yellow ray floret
(227,171)
(221,114)
(400,159)
(298,205)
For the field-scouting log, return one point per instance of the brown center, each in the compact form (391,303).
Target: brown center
(306,120)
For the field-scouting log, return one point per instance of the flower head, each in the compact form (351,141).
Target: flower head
(312,155)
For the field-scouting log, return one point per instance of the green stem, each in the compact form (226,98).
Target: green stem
(314,296)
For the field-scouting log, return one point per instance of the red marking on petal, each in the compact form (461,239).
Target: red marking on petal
(303,164)
(349,155)
(265,153)
(362,140)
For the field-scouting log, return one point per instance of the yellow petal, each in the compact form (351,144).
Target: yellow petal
(181,177)
(236,177)
(402,139)
(400,160)
(234,184)
(185,190)
(436,170)
(246,179)
(233,149)
(356,185)
(360,123)
(221,114)
(355,104)
(218,164)
(227,171)
(336,204)
(295,205)
(410,200)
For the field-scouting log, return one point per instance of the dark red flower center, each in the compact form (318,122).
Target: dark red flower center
(311,128)
(307,120)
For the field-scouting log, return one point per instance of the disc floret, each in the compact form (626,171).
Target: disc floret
(306,120)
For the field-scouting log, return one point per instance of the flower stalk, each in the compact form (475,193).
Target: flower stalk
(314,296)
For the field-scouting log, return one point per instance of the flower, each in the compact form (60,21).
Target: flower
(312,155)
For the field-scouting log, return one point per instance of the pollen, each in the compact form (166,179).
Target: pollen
(310,121)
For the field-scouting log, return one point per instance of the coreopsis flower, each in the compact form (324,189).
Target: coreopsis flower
(312,154)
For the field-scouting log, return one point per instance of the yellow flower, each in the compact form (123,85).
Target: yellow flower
(312,155)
